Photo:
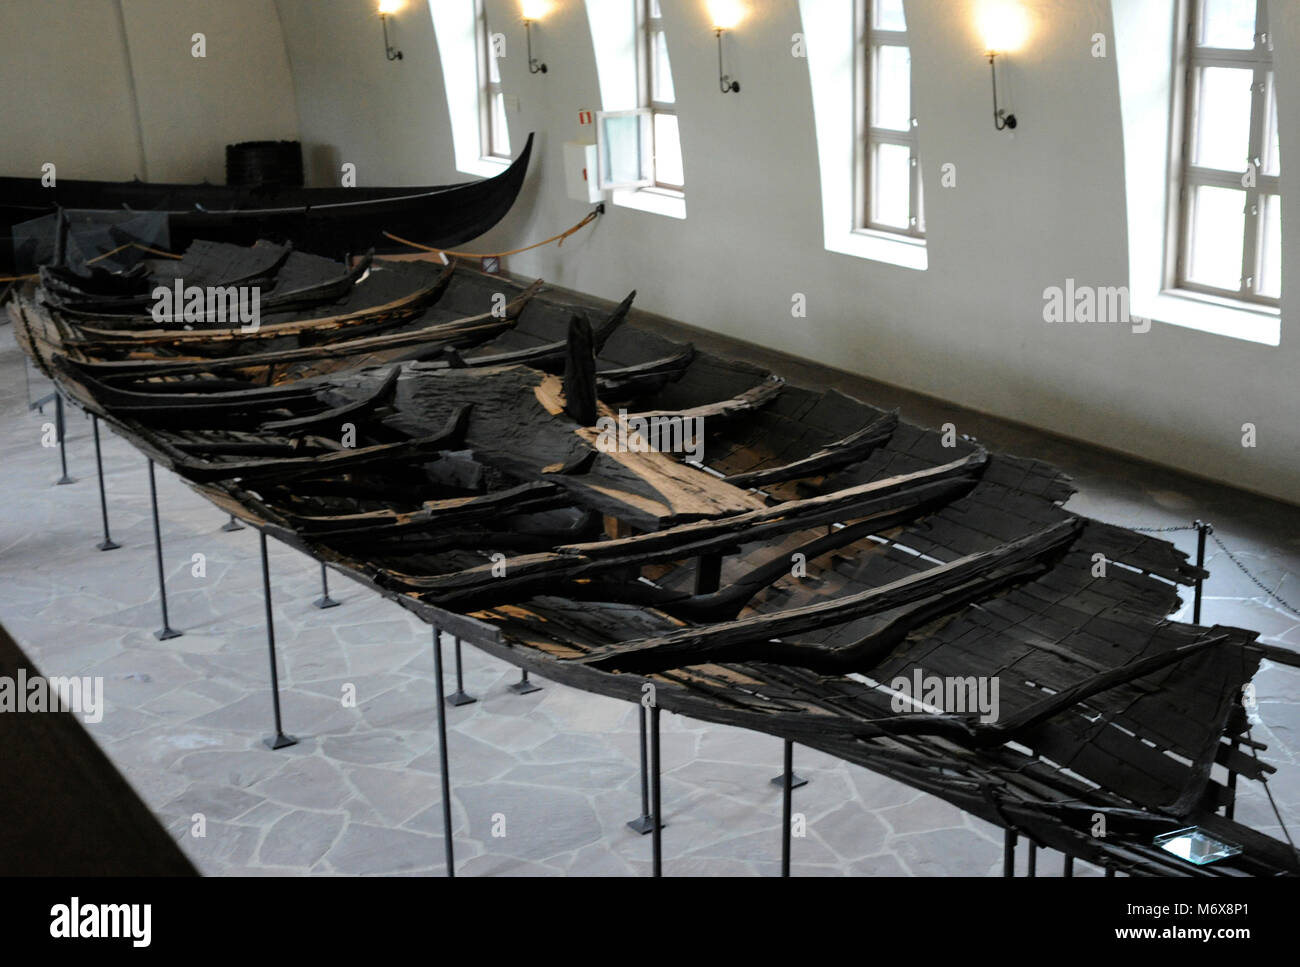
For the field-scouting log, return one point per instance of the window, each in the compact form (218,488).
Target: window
(1226,213)
(472,85)
(888,191)
(493,130)
(639,144)
(658,95)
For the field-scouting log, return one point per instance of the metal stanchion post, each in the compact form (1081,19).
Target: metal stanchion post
(166,631)
(460,696)
(325,601)
(645,822)
(656,831)
(524,686)
(1009,852)
(442,749)
(61,428)
(107,544)
(785,807)
(279,740)
(1202,531)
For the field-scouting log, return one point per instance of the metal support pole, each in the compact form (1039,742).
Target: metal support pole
(1009,853)
(460,697)
(442,750)
(785,808)
(61,429)
(795,780)
(232,525)
(1032,868)
(324,601)
(1202,530)
(107,544)
(1067,868)
(645,822)
(1109,872)
(656,832)
(524,686)
(166,631)
(279,740)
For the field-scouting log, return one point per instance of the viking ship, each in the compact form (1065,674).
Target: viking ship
(325,221)
(792,576)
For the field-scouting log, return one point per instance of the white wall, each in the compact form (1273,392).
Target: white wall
(70,98)
(1029,211)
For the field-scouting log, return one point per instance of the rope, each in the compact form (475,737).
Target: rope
(591,217)
(143,248)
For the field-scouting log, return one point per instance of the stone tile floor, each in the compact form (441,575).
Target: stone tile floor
(543,783)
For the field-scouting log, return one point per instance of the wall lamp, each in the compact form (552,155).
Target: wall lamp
(725,14)
(1003,24)
(1001,119)
(533,10)
(387,7)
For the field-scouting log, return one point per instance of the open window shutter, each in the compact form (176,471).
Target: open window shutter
(625,148)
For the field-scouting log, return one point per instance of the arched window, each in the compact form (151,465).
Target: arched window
(1226,204)
(637,132)
(859,66)
(494,132)
(476,104)
(889,197)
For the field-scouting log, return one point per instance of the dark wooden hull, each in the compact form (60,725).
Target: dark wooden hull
(820,551)
(325,221)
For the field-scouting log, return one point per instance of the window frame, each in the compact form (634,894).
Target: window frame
(1186,177)
(648,28)
(868,38)
(490,147)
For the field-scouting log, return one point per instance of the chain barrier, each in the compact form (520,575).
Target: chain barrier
(1258,583)
(1223,547)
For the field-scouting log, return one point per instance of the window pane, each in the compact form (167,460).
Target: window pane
(891,185)
(494,68)
(500,129)
(1218,225)
(1270,249)
(889,15)
(668,151)
(1228,23)
(661,71)
(655,12)
(892,99)
(622,149)
(1223,118)
(1272,154)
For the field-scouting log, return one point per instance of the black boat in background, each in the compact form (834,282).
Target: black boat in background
(324,221)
